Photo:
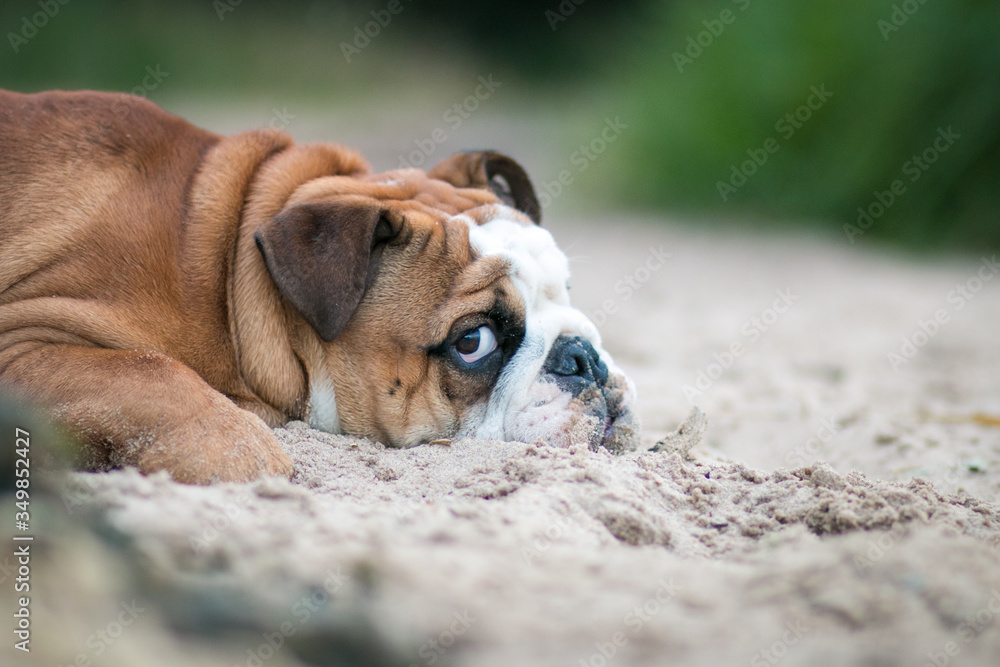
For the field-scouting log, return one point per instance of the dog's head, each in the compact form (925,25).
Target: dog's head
(443,310)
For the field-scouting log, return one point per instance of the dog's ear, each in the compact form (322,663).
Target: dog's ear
(488,169)
(323,256)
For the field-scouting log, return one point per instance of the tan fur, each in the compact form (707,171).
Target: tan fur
(402,315)
(134,301)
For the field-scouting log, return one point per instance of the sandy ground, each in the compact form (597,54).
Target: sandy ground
(836,511)
(763,546)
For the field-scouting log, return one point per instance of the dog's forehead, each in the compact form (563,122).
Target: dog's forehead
(404,190)
(538,269)
(415,186)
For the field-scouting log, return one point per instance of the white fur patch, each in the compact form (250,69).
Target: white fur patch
(523,406)
(323,404)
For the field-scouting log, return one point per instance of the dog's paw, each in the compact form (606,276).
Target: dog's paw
(227,444)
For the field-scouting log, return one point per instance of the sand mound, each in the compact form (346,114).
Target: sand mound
(493,553)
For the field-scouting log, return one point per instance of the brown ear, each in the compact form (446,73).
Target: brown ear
(324,256)
(482,169)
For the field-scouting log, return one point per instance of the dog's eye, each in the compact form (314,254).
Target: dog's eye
(476,344)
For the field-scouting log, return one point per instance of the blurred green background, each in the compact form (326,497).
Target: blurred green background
(874,120)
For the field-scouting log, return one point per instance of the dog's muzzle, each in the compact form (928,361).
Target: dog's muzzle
(576,368)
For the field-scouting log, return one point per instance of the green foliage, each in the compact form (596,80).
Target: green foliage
(296,46)
(691,122)
(892,90)
(225,48)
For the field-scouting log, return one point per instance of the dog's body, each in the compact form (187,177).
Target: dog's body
(170,294)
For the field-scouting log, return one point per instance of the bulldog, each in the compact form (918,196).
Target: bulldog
(170,295)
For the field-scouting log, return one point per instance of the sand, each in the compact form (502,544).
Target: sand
(826,509)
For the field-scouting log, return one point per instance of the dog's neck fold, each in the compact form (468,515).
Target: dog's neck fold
(252,175)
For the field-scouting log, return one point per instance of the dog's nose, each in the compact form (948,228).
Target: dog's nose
(575,364)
